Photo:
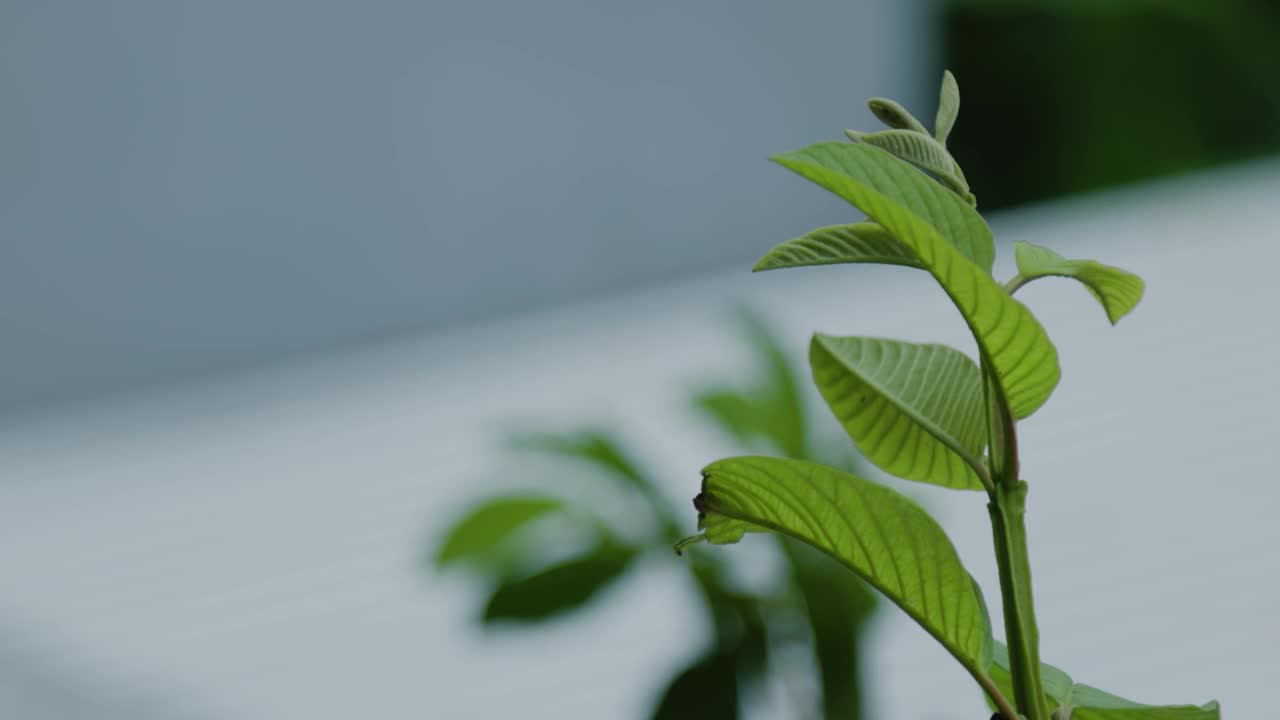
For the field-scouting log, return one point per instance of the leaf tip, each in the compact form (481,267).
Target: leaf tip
(686,543)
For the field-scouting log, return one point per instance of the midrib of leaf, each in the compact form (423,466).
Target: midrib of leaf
(1024,359)
(931,416)
(839,244)
(757,491)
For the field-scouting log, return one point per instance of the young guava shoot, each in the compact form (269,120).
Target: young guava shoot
(927,413)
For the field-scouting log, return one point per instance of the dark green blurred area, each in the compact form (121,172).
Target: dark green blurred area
(1065,97)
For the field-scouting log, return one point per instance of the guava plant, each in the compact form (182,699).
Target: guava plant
(927,413)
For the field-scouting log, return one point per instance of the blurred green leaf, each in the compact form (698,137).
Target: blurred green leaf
(705,690)
(874,531)
(559,588)
(592,446)
(915,410)
(476,537)
(1118,290)
(863,242)
(735,413)
(837,604)
(772,408)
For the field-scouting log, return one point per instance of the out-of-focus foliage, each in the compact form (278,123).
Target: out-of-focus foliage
(1063,97)
(495,540)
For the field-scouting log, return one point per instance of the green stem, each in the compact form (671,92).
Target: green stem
(1008,496)
(1007,508)
(1017,281)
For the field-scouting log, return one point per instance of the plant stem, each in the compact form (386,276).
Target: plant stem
(1007,508)
(1016,282)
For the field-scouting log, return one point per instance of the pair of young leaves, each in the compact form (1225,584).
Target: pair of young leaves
(918,411)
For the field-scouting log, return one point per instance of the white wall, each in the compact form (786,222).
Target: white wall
(252,549)
(188,187)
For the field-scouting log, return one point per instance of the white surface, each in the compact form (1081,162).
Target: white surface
(251,549)
(189,187)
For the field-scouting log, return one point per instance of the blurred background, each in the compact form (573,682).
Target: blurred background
(289,288)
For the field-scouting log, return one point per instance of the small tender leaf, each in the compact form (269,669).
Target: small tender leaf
(476,536)
(894,115)
(858,243)
(894,194)
(871,529)
(916,411)
(1118,290)
(922,151)
(559,588)
(705,690)
(903,186)
(1089,703)
(948,107)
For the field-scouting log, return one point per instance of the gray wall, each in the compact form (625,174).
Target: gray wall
(188,187)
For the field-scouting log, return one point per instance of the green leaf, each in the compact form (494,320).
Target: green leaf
(1090,703)
(837,604)
(562,587)
(894,115)
(476,537)
(922,151)
(874,531)
(1094,704)
(836,165)
(705,690)
(1118,290)
(839,244)
(948,107)
(922,215)
(772,408)
(735,413)
(916,411)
